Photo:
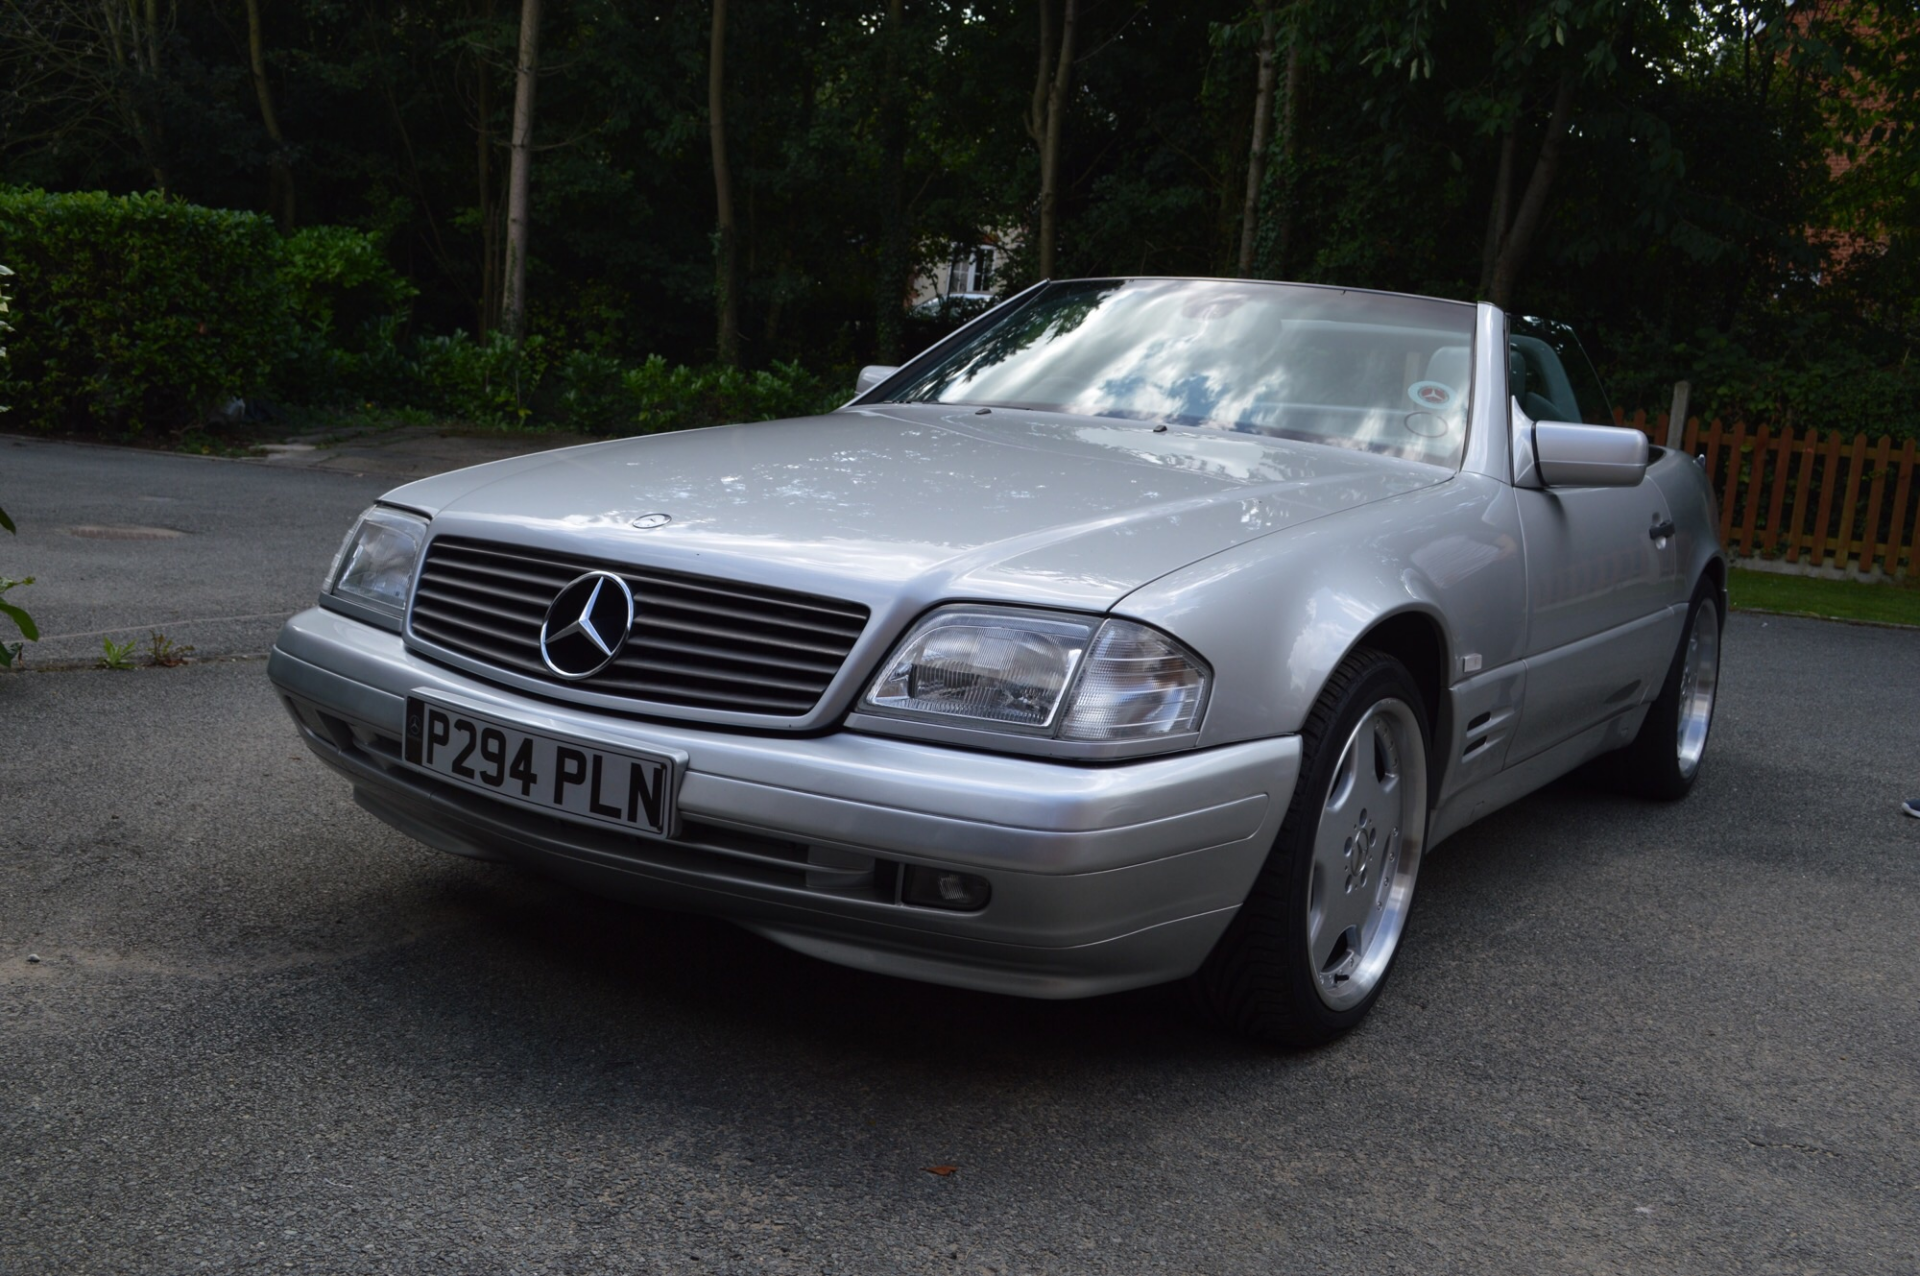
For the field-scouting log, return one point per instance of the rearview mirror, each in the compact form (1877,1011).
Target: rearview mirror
(872,375)
(1571,455)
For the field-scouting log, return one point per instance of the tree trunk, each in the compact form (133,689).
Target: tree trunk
(727,278)
(280,173)
(1499,211)
(148,40)
(491,256)
(1289,141)
(1056,110)
(1262,131)
(133,46)
(1518,239)
(1036,114)
(890,294)
(513,307)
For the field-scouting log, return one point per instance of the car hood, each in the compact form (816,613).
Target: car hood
(916,501)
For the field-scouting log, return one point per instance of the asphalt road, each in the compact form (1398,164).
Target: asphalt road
(265,1033)
(211,553)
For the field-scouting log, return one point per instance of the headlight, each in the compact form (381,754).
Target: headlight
(375,564)
(1078,678)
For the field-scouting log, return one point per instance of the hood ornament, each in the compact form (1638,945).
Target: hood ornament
(647,522)
(587,624)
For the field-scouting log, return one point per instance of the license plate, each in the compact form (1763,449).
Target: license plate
(623,788)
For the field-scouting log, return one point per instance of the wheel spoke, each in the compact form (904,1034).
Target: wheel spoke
(1341,960)
(1346,778)
(1699,676)
(1361,854)
(1380,767)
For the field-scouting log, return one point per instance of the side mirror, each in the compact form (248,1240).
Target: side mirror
(872,375)
(1571,455)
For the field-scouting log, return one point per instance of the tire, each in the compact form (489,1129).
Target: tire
(1664,759)
(1309,951)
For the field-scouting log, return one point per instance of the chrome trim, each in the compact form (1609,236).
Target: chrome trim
(1488,427)
(362,612)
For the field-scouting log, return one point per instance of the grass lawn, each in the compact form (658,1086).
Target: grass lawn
(1810,596)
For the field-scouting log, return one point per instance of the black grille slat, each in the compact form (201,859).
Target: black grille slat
(738,617)
(474,603)
(721,679)
(533,601)
(778,645)
(504,569)
(687,697)
(488,647)
(659,649)
(697,642)
(822,611)
(480,642)
(551,574)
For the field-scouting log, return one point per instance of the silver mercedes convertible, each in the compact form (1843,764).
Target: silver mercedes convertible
(1143,629)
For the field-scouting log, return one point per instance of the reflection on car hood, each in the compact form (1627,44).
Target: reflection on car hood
(931,501)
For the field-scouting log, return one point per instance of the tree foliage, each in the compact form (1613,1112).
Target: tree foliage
(1725,190)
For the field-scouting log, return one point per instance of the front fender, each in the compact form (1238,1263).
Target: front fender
(1276,616)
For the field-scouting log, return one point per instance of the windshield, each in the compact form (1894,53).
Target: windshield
(1358,370)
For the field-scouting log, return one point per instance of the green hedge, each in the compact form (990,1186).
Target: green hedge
(146,312)
(149,314)
(349,307)
(491,382)
(664,396)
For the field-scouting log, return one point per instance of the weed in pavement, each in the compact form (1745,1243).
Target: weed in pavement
(116,655)
(164,653)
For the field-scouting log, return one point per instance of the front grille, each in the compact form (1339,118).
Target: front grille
(696,642)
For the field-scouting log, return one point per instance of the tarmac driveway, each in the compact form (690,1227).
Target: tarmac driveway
(265,1033)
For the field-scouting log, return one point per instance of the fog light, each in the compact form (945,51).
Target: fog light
(943,888)
(832,869)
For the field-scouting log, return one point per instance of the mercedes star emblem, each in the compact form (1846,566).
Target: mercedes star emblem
(586,625)
(647,522)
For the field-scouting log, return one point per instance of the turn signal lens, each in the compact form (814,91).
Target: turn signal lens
(1139,684)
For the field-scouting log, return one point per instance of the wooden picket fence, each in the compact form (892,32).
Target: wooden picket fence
(1808,501)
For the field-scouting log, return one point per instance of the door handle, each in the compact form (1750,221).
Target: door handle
(1660,531)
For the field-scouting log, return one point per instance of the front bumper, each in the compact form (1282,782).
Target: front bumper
(1103,877)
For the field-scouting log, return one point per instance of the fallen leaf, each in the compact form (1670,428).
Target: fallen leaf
(943,1170)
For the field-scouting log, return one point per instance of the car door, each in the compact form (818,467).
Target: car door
(1601,565)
